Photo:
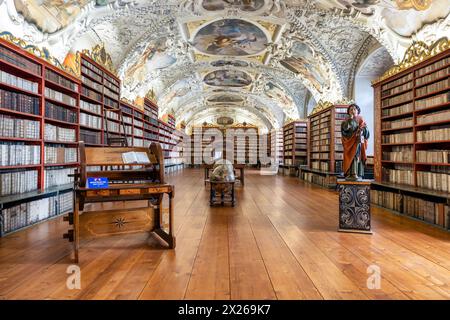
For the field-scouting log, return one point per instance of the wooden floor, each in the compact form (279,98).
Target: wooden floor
(279,242)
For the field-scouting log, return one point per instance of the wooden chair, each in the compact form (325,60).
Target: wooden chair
(135,181)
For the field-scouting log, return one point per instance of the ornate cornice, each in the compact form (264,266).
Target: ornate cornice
(416,53)
(99,55)
(320,106)
(41,53)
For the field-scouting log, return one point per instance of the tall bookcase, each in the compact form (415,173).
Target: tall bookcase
(38,137)
(246,143)
(276,146)
(295,143)
(412,139)
(325,150)
(99,103)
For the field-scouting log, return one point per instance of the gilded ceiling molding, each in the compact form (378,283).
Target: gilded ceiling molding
(419,51)
(99,55)
(36,51)
(321,105)
(419,5)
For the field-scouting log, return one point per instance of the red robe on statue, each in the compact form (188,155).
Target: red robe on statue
(351,145)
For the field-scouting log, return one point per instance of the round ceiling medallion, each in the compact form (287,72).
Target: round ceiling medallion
(223,121)
(230,37)
(228,78)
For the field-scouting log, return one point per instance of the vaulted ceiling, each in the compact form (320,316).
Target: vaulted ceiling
(259,61)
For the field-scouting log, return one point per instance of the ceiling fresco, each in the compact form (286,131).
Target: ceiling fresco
(264,60)
(230,37)
(228,78)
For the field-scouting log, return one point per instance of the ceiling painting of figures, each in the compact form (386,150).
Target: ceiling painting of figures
(228,78)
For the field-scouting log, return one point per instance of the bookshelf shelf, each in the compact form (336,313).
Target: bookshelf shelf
(18,113)
(417,183)
(18,71)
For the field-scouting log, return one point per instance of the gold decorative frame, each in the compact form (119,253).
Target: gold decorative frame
(416,53)
(321,105)
(36,51)
(99,55)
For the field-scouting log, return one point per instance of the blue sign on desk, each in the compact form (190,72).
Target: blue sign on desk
(97,183)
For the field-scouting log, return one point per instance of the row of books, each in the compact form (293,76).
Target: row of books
(430,77)
(90,121)
(18,182)
(323,180)
(111,103)
(91,83)
(432,212)
(403,175)
(127,119)
(397,99)
(437,86)
(398,82)
(54,133)
(397,124)
(404,108)
(14,58)
(19,154)
(19,128)
(110,93)
(395,90)
(92,107)
(434,66)
(61,97)
(433,156)
(112,115)
(433,180)
(114,126)
(31,212)
(90,137)
(91,70)
(407,137)
(18,82)
(56,112)
(58,176)
(19,102)
(432,101)
(434,117)
(399,154)
(63,81)
(91,94)
(433,135)
(60,154)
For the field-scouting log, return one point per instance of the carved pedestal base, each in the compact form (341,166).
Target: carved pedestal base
(354,206)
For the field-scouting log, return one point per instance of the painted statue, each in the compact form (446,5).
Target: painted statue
(354,139)
(222,171)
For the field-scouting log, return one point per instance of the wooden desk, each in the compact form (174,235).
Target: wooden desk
(145,183)
(226,190)
(240,167)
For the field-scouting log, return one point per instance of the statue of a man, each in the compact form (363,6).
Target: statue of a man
(354,139)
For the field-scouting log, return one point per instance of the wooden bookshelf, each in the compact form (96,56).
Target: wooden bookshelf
(38,136)
(412,136)
(276,146)
(100,93)
(295,143)
(245,138)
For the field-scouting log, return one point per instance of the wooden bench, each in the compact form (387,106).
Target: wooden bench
(127,182)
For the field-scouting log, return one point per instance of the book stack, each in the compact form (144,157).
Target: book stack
(62,81)
(52,111)
(54,133)
(91,107)
(19,154)
(433,156)
(60,154)
(18,82)
(19,102)
(399,154)
(60,97)
(20,61)
(19,128)
(58,176)
(18,182)
(90,121)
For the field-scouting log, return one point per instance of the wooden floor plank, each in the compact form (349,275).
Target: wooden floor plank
(279,242)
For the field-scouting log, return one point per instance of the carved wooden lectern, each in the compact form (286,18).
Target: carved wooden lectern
(126,182)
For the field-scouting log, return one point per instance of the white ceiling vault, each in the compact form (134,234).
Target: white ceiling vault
(260,61)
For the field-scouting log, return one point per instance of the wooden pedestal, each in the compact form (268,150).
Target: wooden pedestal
(354,206)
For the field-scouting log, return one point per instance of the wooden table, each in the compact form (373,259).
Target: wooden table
(240,167)
(226,189)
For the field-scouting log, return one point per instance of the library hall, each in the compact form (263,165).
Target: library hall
(219,150)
